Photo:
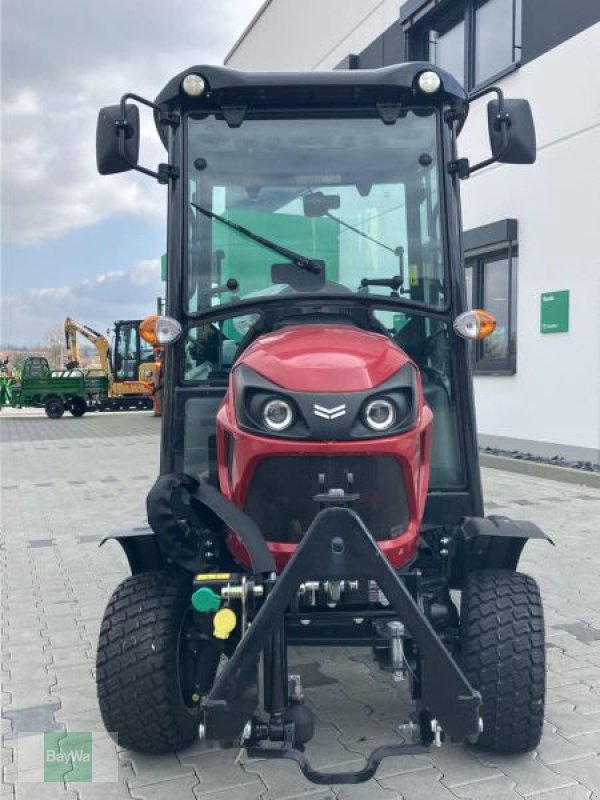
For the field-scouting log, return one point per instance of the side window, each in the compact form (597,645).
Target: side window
(474,40)
(425,340)
(211,349)
(491,281)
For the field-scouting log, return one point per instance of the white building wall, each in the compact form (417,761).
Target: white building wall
(310,34)
(554,398)
(552,405)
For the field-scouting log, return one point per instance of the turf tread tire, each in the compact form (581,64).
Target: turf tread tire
(503,657)
(136,667)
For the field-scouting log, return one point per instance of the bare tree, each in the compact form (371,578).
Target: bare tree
(54,342)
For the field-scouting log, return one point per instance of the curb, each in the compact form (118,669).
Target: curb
(550,472)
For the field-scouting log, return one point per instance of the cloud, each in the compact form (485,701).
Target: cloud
(61,62)
(97,302)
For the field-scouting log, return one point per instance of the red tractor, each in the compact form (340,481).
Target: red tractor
(319,478)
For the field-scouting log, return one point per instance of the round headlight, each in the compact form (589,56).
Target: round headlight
(193,85)
(429,82)
(277,414)
(380,414)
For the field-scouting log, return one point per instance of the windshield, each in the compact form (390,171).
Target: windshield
(280,206)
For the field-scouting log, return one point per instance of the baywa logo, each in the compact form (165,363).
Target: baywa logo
(67,756)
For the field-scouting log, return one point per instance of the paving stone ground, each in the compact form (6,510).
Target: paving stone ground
(67,482)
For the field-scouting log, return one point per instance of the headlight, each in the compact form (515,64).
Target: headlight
(277,414)
(380,414)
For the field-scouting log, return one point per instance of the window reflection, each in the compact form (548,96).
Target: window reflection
(493,38)
(447,50)
(496,301)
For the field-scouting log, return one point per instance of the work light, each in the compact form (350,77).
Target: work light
(429,82)
(193,85)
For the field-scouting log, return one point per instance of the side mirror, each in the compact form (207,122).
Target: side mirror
(516,143)
(111,157)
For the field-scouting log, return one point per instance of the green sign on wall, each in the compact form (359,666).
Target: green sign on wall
(555,312)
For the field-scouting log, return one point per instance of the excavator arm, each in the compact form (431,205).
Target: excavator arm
(100,342)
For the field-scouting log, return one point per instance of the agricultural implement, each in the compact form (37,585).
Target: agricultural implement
(56,391)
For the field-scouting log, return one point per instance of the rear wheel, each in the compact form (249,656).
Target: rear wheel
(55,408)
(503,656)
(145,666)
(78,407)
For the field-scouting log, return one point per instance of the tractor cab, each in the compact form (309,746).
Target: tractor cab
(318,408)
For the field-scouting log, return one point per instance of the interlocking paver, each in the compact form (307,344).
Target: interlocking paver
(149,769)
(422,785)
(498,788)
(216,774)
(555,748)
(528,774)
(53,600)
(174,789)
(585,771)
(575,792)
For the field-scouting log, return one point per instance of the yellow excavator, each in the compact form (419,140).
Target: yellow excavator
(133,366)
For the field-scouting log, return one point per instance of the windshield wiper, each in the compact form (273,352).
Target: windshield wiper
(363,234)
(397,282)
(296,258)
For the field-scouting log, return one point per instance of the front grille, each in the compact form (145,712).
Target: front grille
(281,503)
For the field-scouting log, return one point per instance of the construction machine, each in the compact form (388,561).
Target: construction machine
(132,366)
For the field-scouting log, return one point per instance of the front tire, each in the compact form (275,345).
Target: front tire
(54,408)
(503,656)
(138,673)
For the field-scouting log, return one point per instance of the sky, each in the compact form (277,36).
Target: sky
(75,243)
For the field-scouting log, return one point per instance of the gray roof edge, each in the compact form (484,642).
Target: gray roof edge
(247,30)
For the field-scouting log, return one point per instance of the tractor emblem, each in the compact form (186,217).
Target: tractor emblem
(329,413)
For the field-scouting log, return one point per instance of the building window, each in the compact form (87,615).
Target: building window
(491,280)
(474,40)
(447,48)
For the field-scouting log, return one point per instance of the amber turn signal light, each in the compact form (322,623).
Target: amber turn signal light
(475,324)
(158,330)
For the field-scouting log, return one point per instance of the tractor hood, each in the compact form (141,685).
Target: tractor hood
(324,358)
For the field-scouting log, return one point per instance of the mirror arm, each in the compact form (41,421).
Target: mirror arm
(164,172)
(461,166)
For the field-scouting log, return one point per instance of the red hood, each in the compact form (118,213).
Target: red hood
(324,358)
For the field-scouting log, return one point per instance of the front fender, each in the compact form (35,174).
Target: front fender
(490,543)
(140,546)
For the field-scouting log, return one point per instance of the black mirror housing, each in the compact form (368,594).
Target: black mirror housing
(108,154)
(519,146)
(318,204)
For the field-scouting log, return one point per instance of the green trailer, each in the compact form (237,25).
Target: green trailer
(55,391)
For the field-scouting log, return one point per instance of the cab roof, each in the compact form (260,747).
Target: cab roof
(309,90)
